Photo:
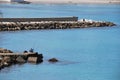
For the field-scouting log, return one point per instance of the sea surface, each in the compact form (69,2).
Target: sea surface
(83,54)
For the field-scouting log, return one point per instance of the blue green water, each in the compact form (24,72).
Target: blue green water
(84,54)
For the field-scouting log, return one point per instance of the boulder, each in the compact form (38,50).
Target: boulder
(53,60)
(0,59)
(20,59)
(6,61)
(32,59)
(5,64)
(36,59)
(2,50)
(0,63)
(1,66)
(40,56)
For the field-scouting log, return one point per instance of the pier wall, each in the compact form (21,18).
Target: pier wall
(38,19)
(8,58)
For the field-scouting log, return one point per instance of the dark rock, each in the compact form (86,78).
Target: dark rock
(1,63)
(40,56)
(53,60)
(0,66)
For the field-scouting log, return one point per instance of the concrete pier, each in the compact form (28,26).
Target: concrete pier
(8,58)
(38,19)
(16,54)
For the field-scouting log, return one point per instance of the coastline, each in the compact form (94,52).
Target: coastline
(70,1)
(74,1)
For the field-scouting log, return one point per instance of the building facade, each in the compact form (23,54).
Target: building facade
(12,0)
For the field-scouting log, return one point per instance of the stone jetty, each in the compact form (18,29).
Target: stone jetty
(8,58)
(14,24)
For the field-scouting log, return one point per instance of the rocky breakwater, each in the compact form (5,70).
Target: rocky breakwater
(14,26)
(8,58)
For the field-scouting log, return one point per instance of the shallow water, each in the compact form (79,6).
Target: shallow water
(84,54)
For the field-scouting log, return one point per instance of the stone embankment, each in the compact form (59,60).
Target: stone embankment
(8,58)
(14,26)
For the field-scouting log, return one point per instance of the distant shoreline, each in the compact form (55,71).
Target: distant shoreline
(75,1)
(70,2)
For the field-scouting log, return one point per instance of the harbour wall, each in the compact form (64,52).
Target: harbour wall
(38,19)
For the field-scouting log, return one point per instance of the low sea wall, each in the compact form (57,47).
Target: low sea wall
(38,19)
(8,58)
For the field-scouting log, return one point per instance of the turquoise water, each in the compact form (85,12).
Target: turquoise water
(84,54)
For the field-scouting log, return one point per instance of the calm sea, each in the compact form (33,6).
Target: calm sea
(84,54)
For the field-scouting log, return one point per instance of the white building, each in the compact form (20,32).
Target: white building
(11,0)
